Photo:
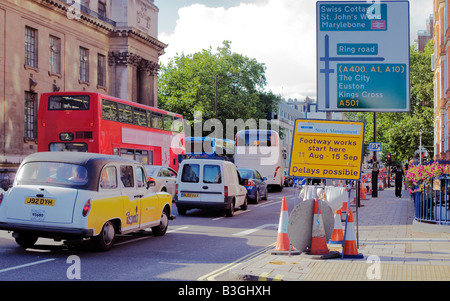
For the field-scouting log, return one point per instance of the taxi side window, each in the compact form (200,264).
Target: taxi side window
(140,177)
(126,176)
(108,178)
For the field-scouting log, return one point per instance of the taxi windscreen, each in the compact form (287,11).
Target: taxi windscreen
(52,173)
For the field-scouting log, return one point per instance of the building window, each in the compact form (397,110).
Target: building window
(85,3)
(84,65)
(31,58)
(102,8)
(55,55)
(30,110)
(101,70)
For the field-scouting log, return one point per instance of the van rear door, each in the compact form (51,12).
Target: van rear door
(212,186)
(190,183)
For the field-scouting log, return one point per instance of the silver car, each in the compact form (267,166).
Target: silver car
(165,178)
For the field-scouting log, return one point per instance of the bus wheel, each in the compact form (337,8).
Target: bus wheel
(163,224)
(105,240)
(26,240)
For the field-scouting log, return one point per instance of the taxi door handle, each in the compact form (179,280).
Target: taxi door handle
(138,196)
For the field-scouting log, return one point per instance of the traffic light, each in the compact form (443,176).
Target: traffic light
(370,160)
(388,159)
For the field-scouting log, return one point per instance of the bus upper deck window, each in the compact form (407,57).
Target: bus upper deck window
(68,102)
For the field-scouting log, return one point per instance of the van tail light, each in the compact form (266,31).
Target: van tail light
(176,189)
(1,198)
(225,191)
(276,170)
(250,183)
(87,207)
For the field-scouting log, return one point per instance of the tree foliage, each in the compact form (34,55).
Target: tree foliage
(187,83)
(399,132)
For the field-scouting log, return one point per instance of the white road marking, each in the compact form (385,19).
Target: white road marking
(250,231)
(26,265)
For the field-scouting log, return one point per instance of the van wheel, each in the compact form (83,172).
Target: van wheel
(26,240)
(105,240)
(163,224)
(245,205)
(230,212)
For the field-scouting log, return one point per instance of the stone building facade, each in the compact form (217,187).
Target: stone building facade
(105,46)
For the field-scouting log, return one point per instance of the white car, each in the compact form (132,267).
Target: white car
(209,184)
(165,178)
(65,196)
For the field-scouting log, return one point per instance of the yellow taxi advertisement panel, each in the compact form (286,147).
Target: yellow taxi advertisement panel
(327,149)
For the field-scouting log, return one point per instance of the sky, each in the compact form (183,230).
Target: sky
(278,33)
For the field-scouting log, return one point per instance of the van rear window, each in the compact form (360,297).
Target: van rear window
(211,174)
(190,173)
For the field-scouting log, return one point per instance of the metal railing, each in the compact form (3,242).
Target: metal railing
(431,203)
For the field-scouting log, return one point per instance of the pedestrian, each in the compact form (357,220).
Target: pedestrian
(399,175)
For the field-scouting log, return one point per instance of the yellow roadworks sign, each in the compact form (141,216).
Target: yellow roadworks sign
(327,149)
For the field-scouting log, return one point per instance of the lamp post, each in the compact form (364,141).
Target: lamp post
(420,147)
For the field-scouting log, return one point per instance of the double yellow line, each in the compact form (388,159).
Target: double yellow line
(211,276)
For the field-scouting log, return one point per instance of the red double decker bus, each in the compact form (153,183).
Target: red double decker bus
(97,123)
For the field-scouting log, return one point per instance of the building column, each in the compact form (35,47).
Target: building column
(123,66)
(147,83)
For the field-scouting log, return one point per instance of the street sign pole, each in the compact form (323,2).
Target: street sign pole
(375,160)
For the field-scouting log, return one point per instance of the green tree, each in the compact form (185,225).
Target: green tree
(399,132)
(188,84)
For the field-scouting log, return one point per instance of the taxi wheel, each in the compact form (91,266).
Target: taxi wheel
(105,240)
(163,224)
(26,240)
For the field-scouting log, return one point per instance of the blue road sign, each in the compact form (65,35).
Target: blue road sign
(374,146)
(299,181)
(363,56)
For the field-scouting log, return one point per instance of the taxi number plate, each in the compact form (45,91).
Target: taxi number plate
(190,195)
(40,201)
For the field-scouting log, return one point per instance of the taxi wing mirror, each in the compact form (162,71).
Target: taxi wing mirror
(150,182)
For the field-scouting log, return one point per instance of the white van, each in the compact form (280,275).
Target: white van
(209,184)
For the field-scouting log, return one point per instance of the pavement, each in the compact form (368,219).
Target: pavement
(395,247)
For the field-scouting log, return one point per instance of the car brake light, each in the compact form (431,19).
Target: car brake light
(276,170)
(87,207)
(250,183)
(225,191)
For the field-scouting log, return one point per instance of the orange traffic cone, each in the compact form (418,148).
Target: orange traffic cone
(338,234)
(363,193)
(350,248)
(283,245)
(319,240)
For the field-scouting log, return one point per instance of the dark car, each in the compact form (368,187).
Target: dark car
(255,184)
(288,180)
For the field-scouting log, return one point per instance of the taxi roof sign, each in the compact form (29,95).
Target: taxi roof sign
(327,149)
